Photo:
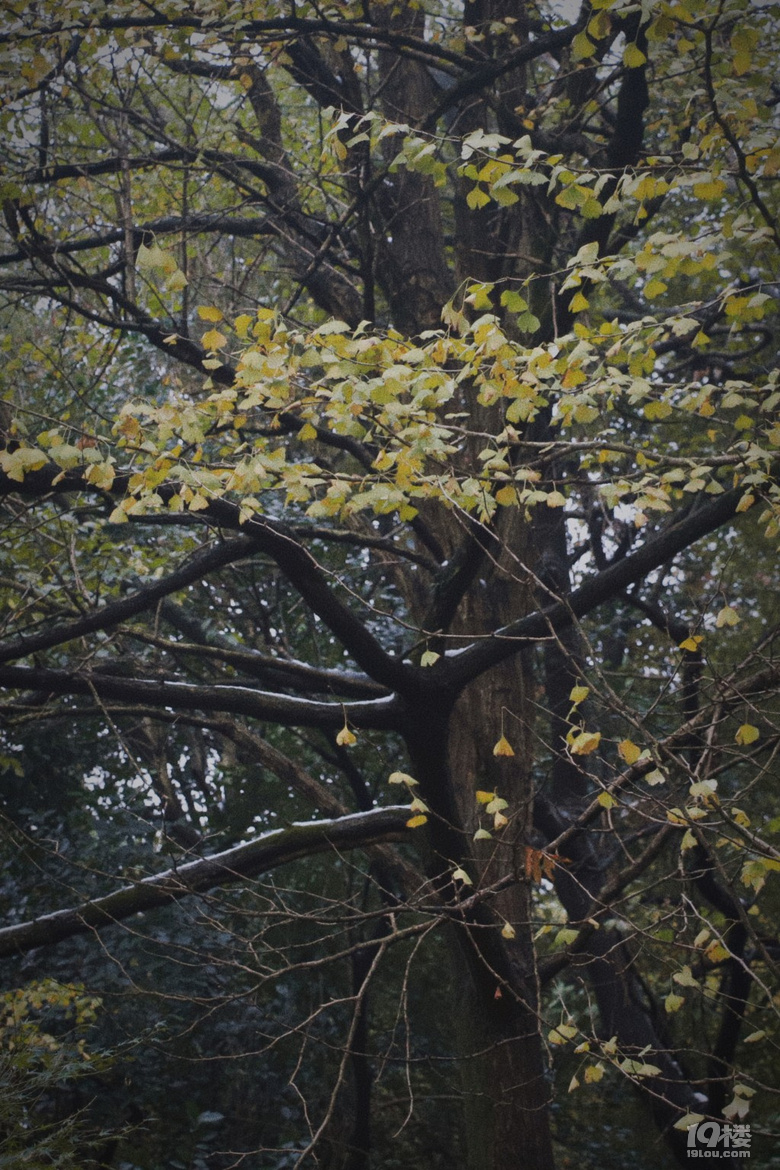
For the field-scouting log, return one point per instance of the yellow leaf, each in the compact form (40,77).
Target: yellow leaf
(556,500)
(401,778)
(654,288)
(593,1073)
(579,302)
(307,433)
(573,1084)
(728,616)
(606,800)
(710,189)
(176,281)
(582,47)
(657,410)
(754,1037)
(477,198)
(101,475)
(747,734)
(578,694)
(561,1034)
(564,938)
(418,805)
(154,257)
(689,1120)
(507,930)
(506,496)
(213,339)
(496,804)
(716,952)
(484,797)
(209,313)
(345,737)
(460,875)
(415,822)
(633,57)
(692,643)
(585,743)
(503,748)
(628,751)
(16,463)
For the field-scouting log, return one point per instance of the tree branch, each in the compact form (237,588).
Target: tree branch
(461,666)
(280,846)
(118,611)
(286,710)
(296,562)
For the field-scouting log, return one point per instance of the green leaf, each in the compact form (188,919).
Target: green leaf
(633,57)
(582,47)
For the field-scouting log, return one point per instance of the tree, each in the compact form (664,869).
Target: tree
(392,401)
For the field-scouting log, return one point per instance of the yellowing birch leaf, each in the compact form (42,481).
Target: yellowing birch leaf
(345,737)
(747,734)
(415,822)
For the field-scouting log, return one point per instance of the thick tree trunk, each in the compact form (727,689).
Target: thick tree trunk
(495,991)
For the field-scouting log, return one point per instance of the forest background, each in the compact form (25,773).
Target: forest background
(388,596)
